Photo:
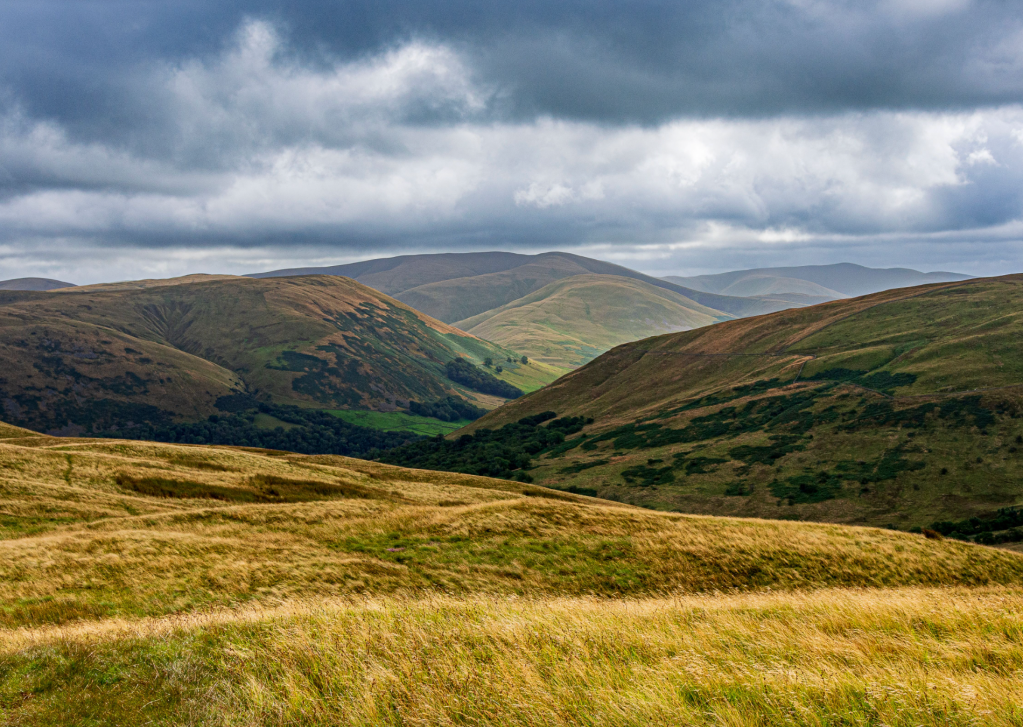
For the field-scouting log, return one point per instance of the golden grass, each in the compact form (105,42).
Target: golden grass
(829,657)
(85,537)
(326,590)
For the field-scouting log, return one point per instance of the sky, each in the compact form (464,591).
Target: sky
(144,138)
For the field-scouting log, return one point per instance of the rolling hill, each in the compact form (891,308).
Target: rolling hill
(99,359)
(33,284)
(822,282)
(147,583)
(901,408)
(573,320)
(455,286)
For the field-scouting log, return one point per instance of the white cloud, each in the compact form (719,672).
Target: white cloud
(397,148)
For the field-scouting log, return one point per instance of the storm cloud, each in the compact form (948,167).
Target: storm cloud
(145,138)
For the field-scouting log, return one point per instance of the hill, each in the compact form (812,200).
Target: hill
(824,282)
(901,408)
(573,320)
(39,284)
(103,358)
(455,286)
(165,584)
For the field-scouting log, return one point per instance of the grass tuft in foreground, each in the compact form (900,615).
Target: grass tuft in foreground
(903,657)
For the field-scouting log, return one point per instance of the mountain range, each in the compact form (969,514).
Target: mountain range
(504,296)
(455,286)
(821,282)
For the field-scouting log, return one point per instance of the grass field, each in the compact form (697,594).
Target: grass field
(397,421)
(147,583)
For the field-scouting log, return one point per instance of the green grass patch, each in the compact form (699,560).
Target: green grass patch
(396,421)
(605,565)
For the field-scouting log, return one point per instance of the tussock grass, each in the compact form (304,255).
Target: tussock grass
(150,583)
(830,657)
(117,529)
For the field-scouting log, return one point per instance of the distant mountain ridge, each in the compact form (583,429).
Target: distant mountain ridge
(830,281)
(455,286)
(34,284)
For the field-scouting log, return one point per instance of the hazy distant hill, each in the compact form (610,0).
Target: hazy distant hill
(824,281)
(903,407)
(455,286)
(33,284)
(93,358)
(573,320)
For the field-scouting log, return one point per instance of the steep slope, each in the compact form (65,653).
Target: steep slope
(96,358)
(573,320)
(33,284)
(456,286)
(902,407)
(834,281)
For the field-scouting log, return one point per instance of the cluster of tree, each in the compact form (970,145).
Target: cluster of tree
(504,452)
(1004,526)
(450,409)
(464,372)
(313,432)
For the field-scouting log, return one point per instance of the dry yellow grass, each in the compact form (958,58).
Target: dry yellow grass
(99,529)
(830,657)
(150,583)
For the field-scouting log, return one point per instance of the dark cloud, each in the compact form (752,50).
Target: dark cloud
(641,61)
(158,137)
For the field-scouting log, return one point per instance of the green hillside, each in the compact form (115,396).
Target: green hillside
(573,320)
(901,408)
(102,358)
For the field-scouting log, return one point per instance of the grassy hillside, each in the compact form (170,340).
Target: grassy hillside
(94,358)
(149,583)
(901,408)
(573,320)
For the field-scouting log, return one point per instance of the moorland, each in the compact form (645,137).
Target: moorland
(146,583)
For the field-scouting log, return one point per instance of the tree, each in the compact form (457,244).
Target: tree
(524,360)
(488,362)
(499,369)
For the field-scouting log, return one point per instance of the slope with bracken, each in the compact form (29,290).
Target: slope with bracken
(573,320)
(97,358)
(169,584)
(900,408)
